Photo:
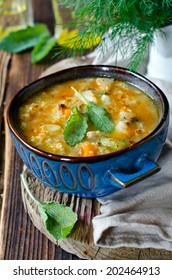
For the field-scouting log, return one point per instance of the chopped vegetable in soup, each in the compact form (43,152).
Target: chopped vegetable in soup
(87,117)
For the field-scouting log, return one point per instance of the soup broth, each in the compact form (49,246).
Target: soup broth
(44,116)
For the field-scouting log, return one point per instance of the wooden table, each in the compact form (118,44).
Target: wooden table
(19,237)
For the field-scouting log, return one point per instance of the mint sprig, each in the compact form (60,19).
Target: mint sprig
(24,39)
(42,49)
(58,219)
(99,117)
(37,38)
(76,127)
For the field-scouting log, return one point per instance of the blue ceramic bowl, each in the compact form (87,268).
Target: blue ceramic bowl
(96,176)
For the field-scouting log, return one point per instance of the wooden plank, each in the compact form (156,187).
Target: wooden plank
(19,237)
(4,61)
(80,241)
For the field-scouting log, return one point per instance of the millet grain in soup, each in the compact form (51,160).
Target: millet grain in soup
(44,116)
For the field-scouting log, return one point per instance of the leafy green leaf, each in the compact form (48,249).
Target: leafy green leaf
(58,218)
(21,40)
(100,117)
(76,127)
(42,49)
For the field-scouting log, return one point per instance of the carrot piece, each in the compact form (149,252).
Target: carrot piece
(67,112)
(88,149)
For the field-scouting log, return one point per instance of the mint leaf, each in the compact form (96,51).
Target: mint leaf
(99,117)
(42,49)
(58,218)
(23,39)
(76,127)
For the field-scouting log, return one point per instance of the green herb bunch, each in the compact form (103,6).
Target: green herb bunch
(77,124)
(133,22)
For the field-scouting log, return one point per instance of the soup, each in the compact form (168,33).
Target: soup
(46,116)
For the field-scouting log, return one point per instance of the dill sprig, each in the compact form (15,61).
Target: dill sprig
(132,23)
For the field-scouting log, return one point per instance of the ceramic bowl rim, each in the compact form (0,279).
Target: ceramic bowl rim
(92,159)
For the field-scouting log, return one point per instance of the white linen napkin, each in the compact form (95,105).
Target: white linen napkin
(141,215)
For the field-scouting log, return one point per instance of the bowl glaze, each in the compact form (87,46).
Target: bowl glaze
(96,176)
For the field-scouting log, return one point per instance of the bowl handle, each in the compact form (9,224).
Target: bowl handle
(143,168)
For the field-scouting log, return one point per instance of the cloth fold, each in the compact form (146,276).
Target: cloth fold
(140,216)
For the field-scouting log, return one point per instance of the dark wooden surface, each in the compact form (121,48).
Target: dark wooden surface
(19,237)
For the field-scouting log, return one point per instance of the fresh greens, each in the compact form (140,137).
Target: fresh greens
(132,24)
(99,117)
(58,219)
(42,49)
(24,39)
(37,37)
(76,126)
